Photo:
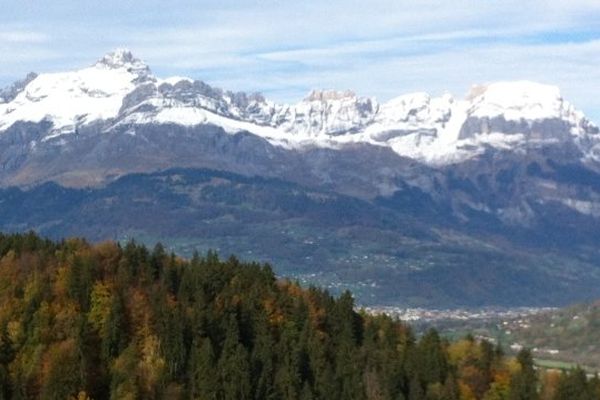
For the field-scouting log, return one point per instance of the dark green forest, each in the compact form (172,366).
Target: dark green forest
(111,321)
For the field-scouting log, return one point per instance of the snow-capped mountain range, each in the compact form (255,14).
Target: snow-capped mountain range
(503,149)
(119,91)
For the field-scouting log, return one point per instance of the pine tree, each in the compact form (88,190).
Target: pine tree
(307,393)
(288,379)
(415,391)
(263,368)
(80,282)
(573,385)
(116,335)
(92,372)
(432,360)
(7,352)
(523,385)
(321,366)
(204,380)
(234,366)
(157,261)
(5,383)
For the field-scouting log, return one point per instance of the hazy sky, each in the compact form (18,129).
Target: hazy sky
(284,49)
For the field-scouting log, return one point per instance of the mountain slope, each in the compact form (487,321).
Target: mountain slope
(401,256)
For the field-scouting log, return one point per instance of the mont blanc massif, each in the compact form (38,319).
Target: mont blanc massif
(493,199)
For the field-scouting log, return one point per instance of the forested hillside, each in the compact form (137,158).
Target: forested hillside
(123,322)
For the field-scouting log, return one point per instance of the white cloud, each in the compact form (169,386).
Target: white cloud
(20,36)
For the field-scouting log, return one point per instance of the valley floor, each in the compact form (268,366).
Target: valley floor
(559,338)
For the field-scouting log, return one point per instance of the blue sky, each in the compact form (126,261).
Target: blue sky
(286,48)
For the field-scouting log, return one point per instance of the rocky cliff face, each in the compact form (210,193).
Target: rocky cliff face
(8,94)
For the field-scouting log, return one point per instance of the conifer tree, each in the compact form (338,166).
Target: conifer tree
(523,385)
(116,330)
(573,385)
(431,358)
(234,366)
(415,391)
(7,354)
(204,380)
(263,368)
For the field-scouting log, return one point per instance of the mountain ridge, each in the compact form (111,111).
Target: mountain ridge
(120,89)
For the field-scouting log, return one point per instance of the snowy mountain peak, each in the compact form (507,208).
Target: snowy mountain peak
(75,98)
(124,59)
(326,113)
(511,91)
(118,58)
(518,100)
